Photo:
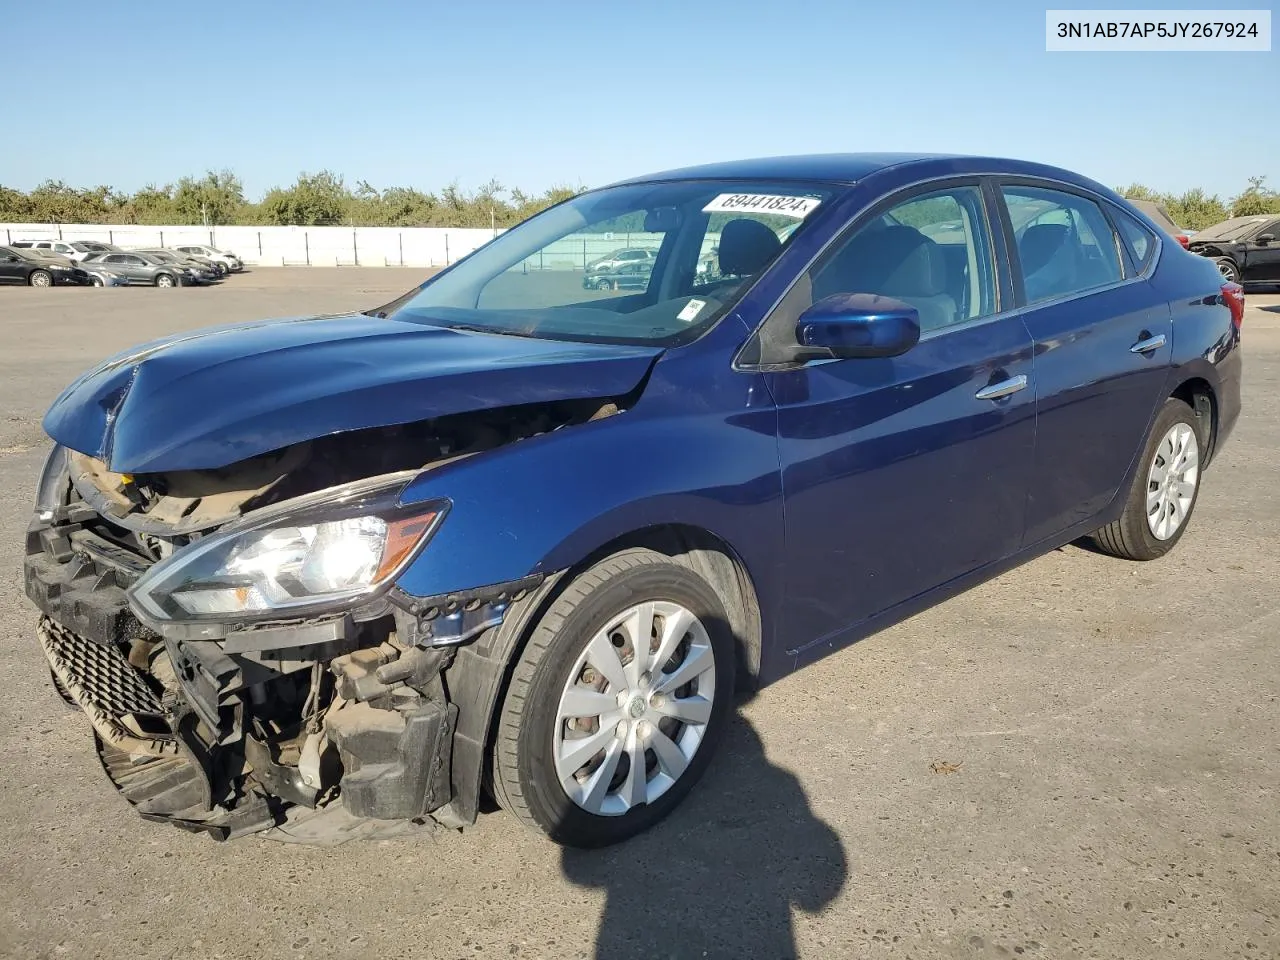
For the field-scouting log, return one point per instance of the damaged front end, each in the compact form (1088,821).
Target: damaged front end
(236,638)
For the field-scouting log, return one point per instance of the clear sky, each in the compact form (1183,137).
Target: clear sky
(534,94)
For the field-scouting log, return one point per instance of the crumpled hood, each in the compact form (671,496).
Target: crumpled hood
(214,397)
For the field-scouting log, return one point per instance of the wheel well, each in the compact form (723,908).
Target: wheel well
(704,552)
(1199,396)
(717,562)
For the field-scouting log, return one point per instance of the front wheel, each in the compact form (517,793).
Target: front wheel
(40,278)
(1164,490)
(616,703)
(1227,267)
(95,281)
(164,280)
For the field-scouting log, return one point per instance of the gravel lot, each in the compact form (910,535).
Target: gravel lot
(1114,729)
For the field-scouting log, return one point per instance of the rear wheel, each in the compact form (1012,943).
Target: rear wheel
(1227,267)
(1164,490)
(164,280)
(617,701)
(40,278)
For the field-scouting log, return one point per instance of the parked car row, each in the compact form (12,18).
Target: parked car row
(44,263)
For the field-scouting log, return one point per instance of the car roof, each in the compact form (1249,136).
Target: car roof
(846,168)
(1158,214)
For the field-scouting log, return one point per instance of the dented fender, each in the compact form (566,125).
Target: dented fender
(545,504)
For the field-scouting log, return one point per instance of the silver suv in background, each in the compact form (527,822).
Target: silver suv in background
(75,250)
(225,257)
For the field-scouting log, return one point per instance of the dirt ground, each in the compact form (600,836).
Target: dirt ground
(1079,759)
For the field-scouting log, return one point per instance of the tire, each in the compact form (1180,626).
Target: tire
(40,278)
(1227,267)
(165,280)
(1144,532)
(603,285)
(595,611)
(96,282)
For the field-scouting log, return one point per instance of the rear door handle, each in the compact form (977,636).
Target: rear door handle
(1149,344)
(994,391)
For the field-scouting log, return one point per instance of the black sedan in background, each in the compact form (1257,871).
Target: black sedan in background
(37,270)
(1246,249)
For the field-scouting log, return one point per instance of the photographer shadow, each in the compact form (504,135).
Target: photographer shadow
(723,874)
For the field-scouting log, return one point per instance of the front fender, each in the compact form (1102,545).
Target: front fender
(706,459)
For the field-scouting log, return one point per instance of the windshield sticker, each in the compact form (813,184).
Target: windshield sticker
(798,207)
(691,310)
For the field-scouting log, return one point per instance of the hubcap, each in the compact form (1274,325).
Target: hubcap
(39,280)
(635,708)
(1171,481)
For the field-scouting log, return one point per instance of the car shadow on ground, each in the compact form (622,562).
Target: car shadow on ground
(723,874)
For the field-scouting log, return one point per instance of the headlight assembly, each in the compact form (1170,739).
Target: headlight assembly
(52,491)
(331,554)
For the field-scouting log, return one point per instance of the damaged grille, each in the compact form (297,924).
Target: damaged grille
(107,688)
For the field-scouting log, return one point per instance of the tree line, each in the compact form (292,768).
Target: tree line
(1195,209)
(324,198)
(315,199)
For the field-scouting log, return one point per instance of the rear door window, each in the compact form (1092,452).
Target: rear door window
(1140,242)
(1064,242)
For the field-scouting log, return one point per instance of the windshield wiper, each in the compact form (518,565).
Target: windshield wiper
(480,328)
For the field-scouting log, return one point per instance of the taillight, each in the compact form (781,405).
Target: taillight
(1233,297)
(1183,239)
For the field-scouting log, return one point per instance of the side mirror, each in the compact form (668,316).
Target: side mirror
(859,325)
(1266,238)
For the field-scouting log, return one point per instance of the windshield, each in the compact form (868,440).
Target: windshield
(649,263)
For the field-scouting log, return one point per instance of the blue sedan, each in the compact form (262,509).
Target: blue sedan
(498,532)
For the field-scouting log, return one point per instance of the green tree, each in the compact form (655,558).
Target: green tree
(1136,191)
(15,207)
(55,202)
(216,198)
(314,200)
(1256,200)
(1195,209)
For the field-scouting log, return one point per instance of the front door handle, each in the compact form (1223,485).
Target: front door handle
(994,391)
(1149,344)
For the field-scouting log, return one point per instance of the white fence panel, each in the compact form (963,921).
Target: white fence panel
(281,246)
(342,246)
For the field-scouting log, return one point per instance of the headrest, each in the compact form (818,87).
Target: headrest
(1040,244)
(746,246)
(893,261)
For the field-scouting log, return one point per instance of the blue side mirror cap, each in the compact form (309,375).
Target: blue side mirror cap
(859,325)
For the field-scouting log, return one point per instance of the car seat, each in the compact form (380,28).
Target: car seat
(893,261)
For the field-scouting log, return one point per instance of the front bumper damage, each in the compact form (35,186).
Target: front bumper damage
(318,730)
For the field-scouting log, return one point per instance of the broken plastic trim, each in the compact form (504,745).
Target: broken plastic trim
(451,619)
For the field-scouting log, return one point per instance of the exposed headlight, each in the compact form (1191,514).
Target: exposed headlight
(53,483)
(329,555)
